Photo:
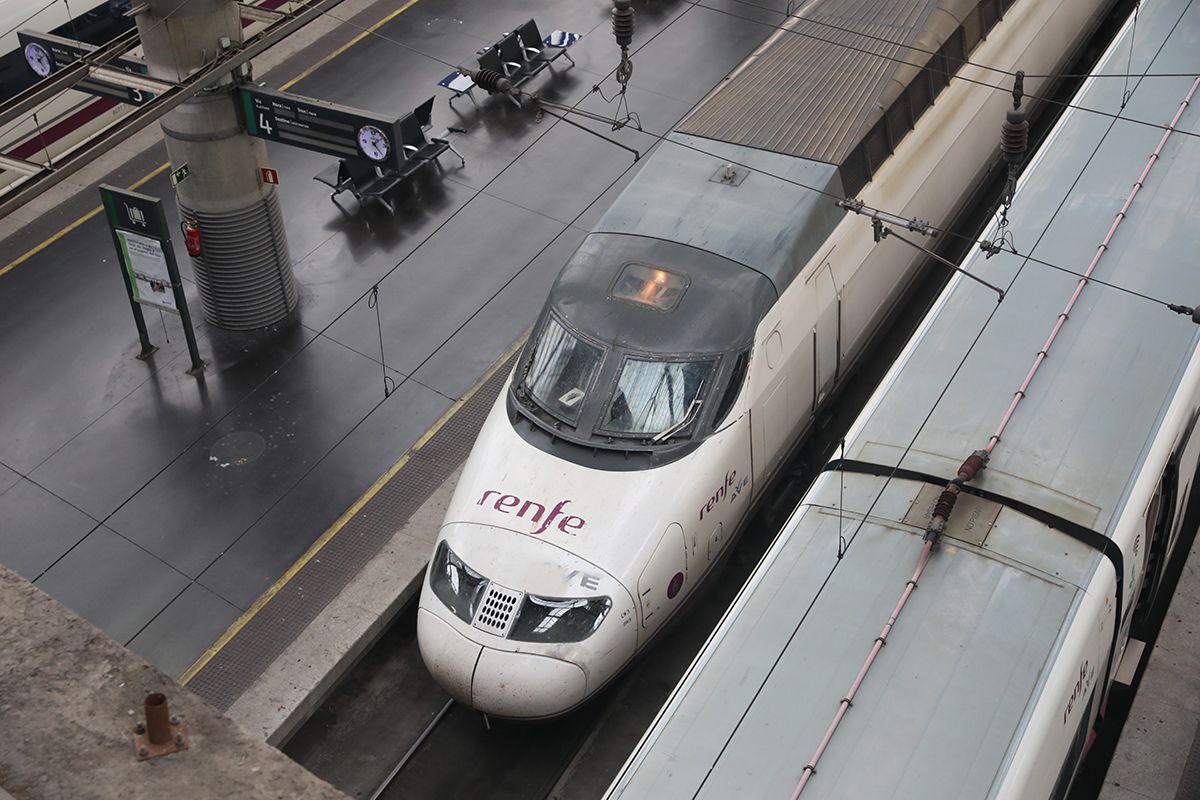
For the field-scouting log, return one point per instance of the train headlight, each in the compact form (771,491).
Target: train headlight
(553,619)
(457,585)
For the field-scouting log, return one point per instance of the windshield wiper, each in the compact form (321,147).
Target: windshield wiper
(683,423)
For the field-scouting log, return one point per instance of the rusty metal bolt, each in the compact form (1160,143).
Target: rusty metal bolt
(143,751)
(174,719)
(179,740)
(158,718)
(140,728)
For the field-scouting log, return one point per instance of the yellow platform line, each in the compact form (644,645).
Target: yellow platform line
(28,254)
(346,516)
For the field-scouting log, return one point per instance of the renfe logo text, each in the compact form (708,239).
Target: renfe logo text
(536,512)
(719,494)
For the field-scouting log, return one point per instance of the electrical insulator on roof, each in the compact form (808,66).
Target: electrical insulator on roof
(1014,138)
(622,24)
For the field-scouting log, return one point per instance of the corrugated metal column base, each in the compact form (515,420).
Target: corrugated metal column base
(244,271)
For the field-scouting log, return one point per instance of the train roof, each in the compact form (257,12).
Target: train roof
(718,311)
(948,697)
(763,218)
(1076,442)
(936,716)
(816,92)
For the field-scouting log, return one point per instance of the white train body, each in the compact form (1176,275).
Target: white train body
(995,673)
(542,511)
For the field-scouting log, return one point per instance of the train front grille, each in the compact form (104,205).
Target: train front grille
(498,610)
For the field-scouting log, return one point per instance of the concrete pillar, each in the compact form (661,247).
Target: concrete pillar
(244,271)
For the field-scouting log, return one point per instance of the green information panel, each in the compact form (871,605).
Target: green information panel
(151,274)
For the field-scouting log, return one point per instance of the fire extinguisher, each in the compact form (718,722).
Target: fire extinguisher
(191,236)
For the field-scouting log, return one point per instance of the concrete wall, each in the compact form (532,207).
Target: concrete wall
(69,700)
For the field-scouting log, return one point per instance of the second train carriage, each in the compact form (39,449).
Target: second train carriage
(996,670)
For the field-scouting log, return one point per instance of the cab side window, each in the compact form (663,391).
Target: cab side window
(736,378)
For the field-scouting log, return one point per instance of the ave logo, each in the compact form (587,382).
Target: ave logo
(535,512)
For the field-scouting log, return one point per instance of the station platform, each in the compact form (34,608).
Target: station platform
(1158,754)
(207,521)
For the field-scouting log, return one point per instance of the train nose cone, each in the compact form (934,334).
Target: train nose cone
(509,684)
(449,656)
(497,682)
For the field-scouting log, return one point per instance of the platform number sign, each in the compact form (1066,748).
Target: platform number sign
(322,127)
(45,53)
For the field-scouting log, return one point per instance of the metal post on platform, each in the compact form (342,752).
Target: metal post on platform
(185,316)
(139,319)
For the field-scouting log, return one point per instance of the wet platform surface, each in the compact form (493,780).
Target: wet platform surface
(160,506)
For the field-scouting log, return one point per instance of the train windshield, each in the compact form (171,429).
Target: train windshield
(656,398)
(561,371)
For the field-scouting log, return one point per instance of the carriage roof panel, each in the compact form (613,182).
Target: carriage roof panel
(814,91)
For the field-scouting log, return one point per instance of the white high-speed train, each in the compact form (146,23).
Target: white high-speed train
(1004,633)
(692,338)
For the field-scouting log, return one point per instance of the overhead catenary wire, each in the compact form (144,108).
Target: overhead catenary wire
(25,21)
(937,229)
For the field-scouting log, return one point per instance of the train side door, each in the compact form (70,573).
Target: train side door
(769,417)
(786,399)
(827,333)
(660,586)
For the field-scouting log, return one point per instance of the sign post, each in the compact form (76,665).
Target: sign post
(147,259)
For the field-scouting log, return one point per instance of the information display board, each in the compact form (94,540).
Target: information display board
(146,263)
(323,127)
(45,53)
(147,260)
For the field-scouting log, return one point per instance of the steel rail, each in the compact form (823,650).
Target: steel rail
(412,750)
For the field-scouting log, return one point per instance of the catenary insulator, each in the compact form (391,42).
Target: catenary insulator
(1014,136)
(972,466)
(941,513)
(491,81)
(622,22)
(1018,91)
